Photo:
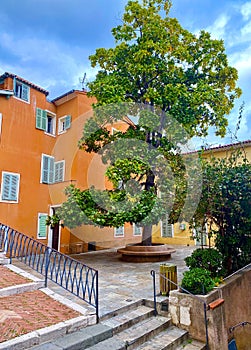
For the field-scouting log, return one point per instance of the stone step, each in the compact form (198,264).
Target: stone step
(127,319)
(169,339)
(133,336)
(143,331)
(191,344)
(82,339)
(122,310)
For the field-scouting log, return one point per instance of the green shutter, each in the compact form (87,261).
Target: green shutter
(41,116)
(42,225)
(25,92)
(10,187)
(67,122)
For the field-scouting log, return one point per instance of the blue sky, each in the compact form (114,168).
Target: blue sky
(48,41)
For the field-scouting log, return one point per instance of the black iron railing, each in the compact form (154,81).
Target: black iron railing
(153,274)
(75,277)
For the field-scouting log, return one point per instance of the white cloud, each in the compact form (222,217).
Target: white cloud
(246,10)
(218,28)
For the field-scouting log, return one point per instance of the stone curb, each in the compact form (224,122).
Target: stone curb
(20,288)
(47,334)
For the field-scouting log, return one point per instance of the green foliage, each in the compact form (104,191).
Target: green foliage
(209,259)
(225,206)
(198,281)
(177,85)
(109,208)
(157,62)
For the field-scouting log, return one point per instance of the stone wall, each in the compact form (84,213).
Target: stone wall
(187,312)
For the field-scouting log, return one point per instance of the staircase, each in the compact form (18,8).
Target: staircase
(132,327)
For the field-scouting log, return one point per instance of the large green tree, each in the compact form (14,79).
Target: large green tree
(178,84)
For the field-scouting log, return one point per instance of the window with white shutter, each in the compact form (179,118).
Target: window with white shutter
(10,187)
(59,171)
(47,169)
(41,226)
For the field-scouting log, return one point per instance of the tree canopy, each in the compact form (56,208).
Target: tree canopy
(177,84)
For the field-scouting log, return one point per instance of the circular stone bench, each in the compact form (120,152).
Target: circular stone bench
(141,253)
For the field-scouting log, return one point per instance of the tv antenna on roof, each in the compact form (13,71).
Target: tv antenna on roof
(83,82)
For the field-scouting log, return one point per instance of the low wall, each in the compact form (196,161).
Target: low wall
(187,312)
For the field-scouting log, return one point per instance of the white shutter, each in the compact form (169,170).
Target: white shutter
(59,171)
(47,169)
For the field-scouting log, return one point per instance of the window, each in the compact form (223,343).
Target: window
(137,230)
(45,120)
(41,226)
(119,231)
(10,187)
(166,228)
(64,123)
(51,171)
(21,90)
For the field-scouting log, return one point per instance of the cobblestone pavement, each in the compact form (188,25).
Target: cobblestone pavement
(121,283)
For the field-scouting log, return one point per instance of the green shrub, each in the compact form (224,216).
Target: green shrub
(209,259)
(197,281)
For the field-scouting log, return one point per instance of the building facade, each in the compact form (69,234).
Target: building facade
(40,157)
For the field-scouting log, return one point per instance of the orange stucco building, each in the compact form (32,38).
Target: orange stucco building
(40,157)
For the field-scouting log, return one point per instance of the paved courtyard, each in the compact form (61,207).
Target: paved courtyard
(121,283)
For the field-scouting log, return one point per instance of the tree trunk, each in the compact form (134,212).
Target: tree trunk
(147,235)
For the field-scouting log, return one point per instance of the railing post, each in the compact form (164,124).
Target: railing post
(97,299)
(47,263)
(154,293)
(11,244)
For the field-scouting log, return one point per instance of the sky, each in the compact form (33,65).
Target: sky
(48,42)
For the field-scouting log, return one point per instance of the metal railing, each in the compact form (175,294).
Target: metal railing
(153,274)
(72,275)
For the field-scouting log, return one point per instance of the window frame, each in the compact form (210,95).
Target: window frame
(134,230)
(19,94)
(17,175)
(120,234)
(61,124)
(53,116)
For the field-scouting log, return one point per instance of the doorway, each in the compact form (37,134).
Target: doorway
(54,235)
